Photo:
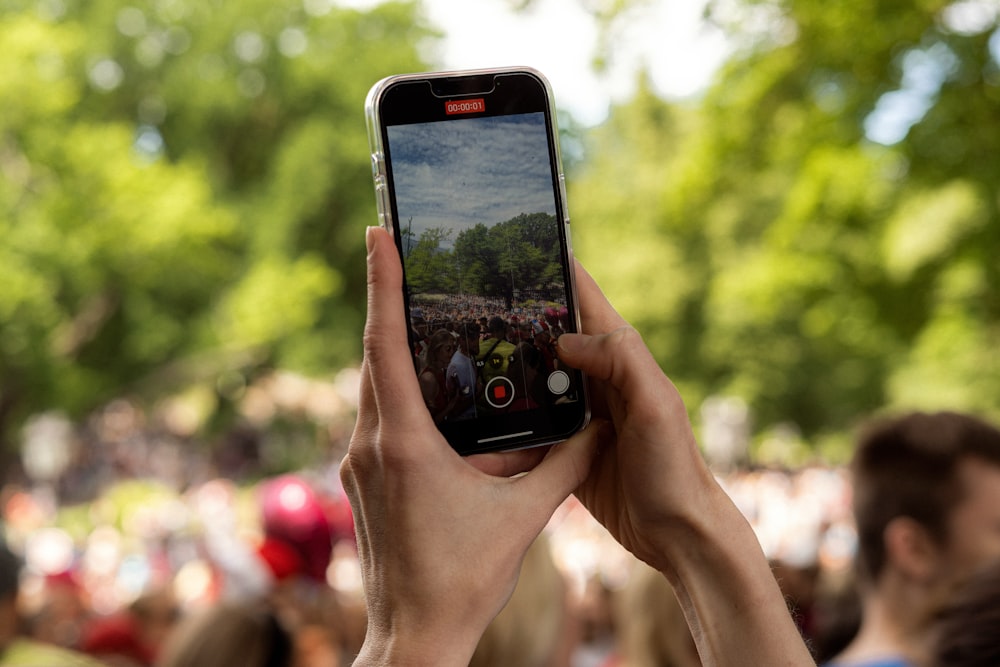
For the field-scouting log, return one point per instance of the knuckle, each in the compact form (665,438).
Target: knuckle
(626,343)
(349,474)
(346,471)
(626,336)
(374,339)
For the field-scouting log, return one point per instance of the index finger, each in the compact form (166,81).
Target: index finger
(386,343)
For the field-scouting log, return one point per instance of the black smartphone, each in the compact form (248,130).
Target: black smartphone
(468,179)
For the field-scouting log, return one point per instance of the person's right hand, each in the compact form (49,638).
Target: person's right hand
(650,480)
(654,493)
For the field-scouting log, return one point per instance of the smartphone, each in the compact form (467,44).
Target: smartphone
(469,181)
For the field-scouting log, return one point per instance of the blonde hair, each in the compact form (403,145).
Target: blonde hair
(527,631)
(651,626)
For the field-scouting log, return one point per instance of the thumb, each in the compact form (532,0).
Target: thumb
(619,358)
(564,468)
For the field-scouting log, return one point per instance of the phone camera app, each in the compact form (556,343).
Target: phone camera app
(480,240)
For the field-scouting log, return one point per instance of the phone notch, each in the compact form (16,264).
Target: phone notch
(462,86)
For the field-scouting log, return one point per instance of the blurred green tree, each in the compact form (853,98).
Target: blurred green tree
(183,192)
(824,220)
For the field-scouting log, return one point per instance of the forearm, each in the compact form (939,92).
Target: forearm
(385,650)
(736,612)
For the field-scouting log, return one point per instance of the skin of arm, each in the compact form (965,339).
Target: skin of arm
(651,489)
(441,538)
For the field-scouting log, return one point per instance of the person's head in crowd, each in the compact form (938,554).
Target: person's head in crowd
(419,326)
(836,614)
(652,631)
(497,327)
(512,332)
(526,369)
(64,611)
(966,629)
(133,637)
(440,349)
(926,504)
(535,629)
(468,339)
(244,635)
(542,339)
(931,481)
(16,648)
(298,537)
(799,581)
(10,575)
(156,612)
(525,331)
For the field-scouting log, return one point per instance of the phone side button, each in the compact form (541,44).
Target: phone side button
(378,165)
(382,200)
(562,196)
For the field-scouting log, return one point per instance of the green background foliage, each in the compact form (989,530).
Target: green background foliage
(771,250)
(183,189)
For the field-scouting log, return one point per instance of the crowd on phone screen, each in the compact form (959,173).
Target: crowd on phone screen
(265,573)
(461,343)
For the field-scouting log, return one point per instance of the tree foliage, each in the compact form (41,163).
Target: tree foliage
(823,222)
(184,188)
(501,260)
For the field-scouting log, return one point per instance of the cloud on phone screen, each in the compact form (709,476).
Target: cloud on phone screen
(460,173)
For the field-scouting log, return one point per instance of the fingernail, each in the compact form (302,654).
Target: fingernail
(370,238)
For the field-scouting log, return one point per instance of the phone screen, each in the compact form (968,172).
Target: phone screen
(473,194)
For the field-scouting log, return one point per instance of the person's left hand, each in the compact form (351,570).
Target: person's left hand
(441,538)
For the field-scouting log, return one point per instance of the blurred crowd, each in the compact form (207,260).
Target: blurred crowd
(146,550)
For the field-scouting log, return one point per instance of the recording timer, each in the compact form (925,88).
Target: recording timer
(452,107)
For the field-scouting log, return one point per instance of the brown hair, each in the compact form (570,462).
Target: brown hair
(966,626)
(908,466)
(438,341)
(229,634)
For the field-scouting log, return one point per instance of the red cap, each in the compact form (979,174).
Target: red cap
(292,514)
(281,558)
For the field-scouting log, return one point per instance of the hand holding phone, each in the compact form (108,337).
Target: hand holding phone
(441,537)
(468,179)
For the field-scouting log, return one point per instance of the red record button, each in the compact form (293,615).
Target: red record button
(499,392)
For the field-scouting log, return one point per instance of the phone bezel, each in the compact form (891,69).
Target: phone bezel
(420,98)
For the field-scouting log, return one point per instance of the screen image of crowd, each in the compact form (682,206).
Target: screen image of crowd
(463,344)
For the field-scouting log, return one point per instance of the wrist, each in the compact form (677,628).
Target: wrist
(417,649)
(676,534)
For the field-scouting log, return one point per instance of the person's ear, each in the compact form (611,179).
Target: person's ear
(911,549)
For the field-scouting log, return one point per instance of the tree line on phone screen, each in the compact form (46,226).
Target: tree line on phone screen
(517,259)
